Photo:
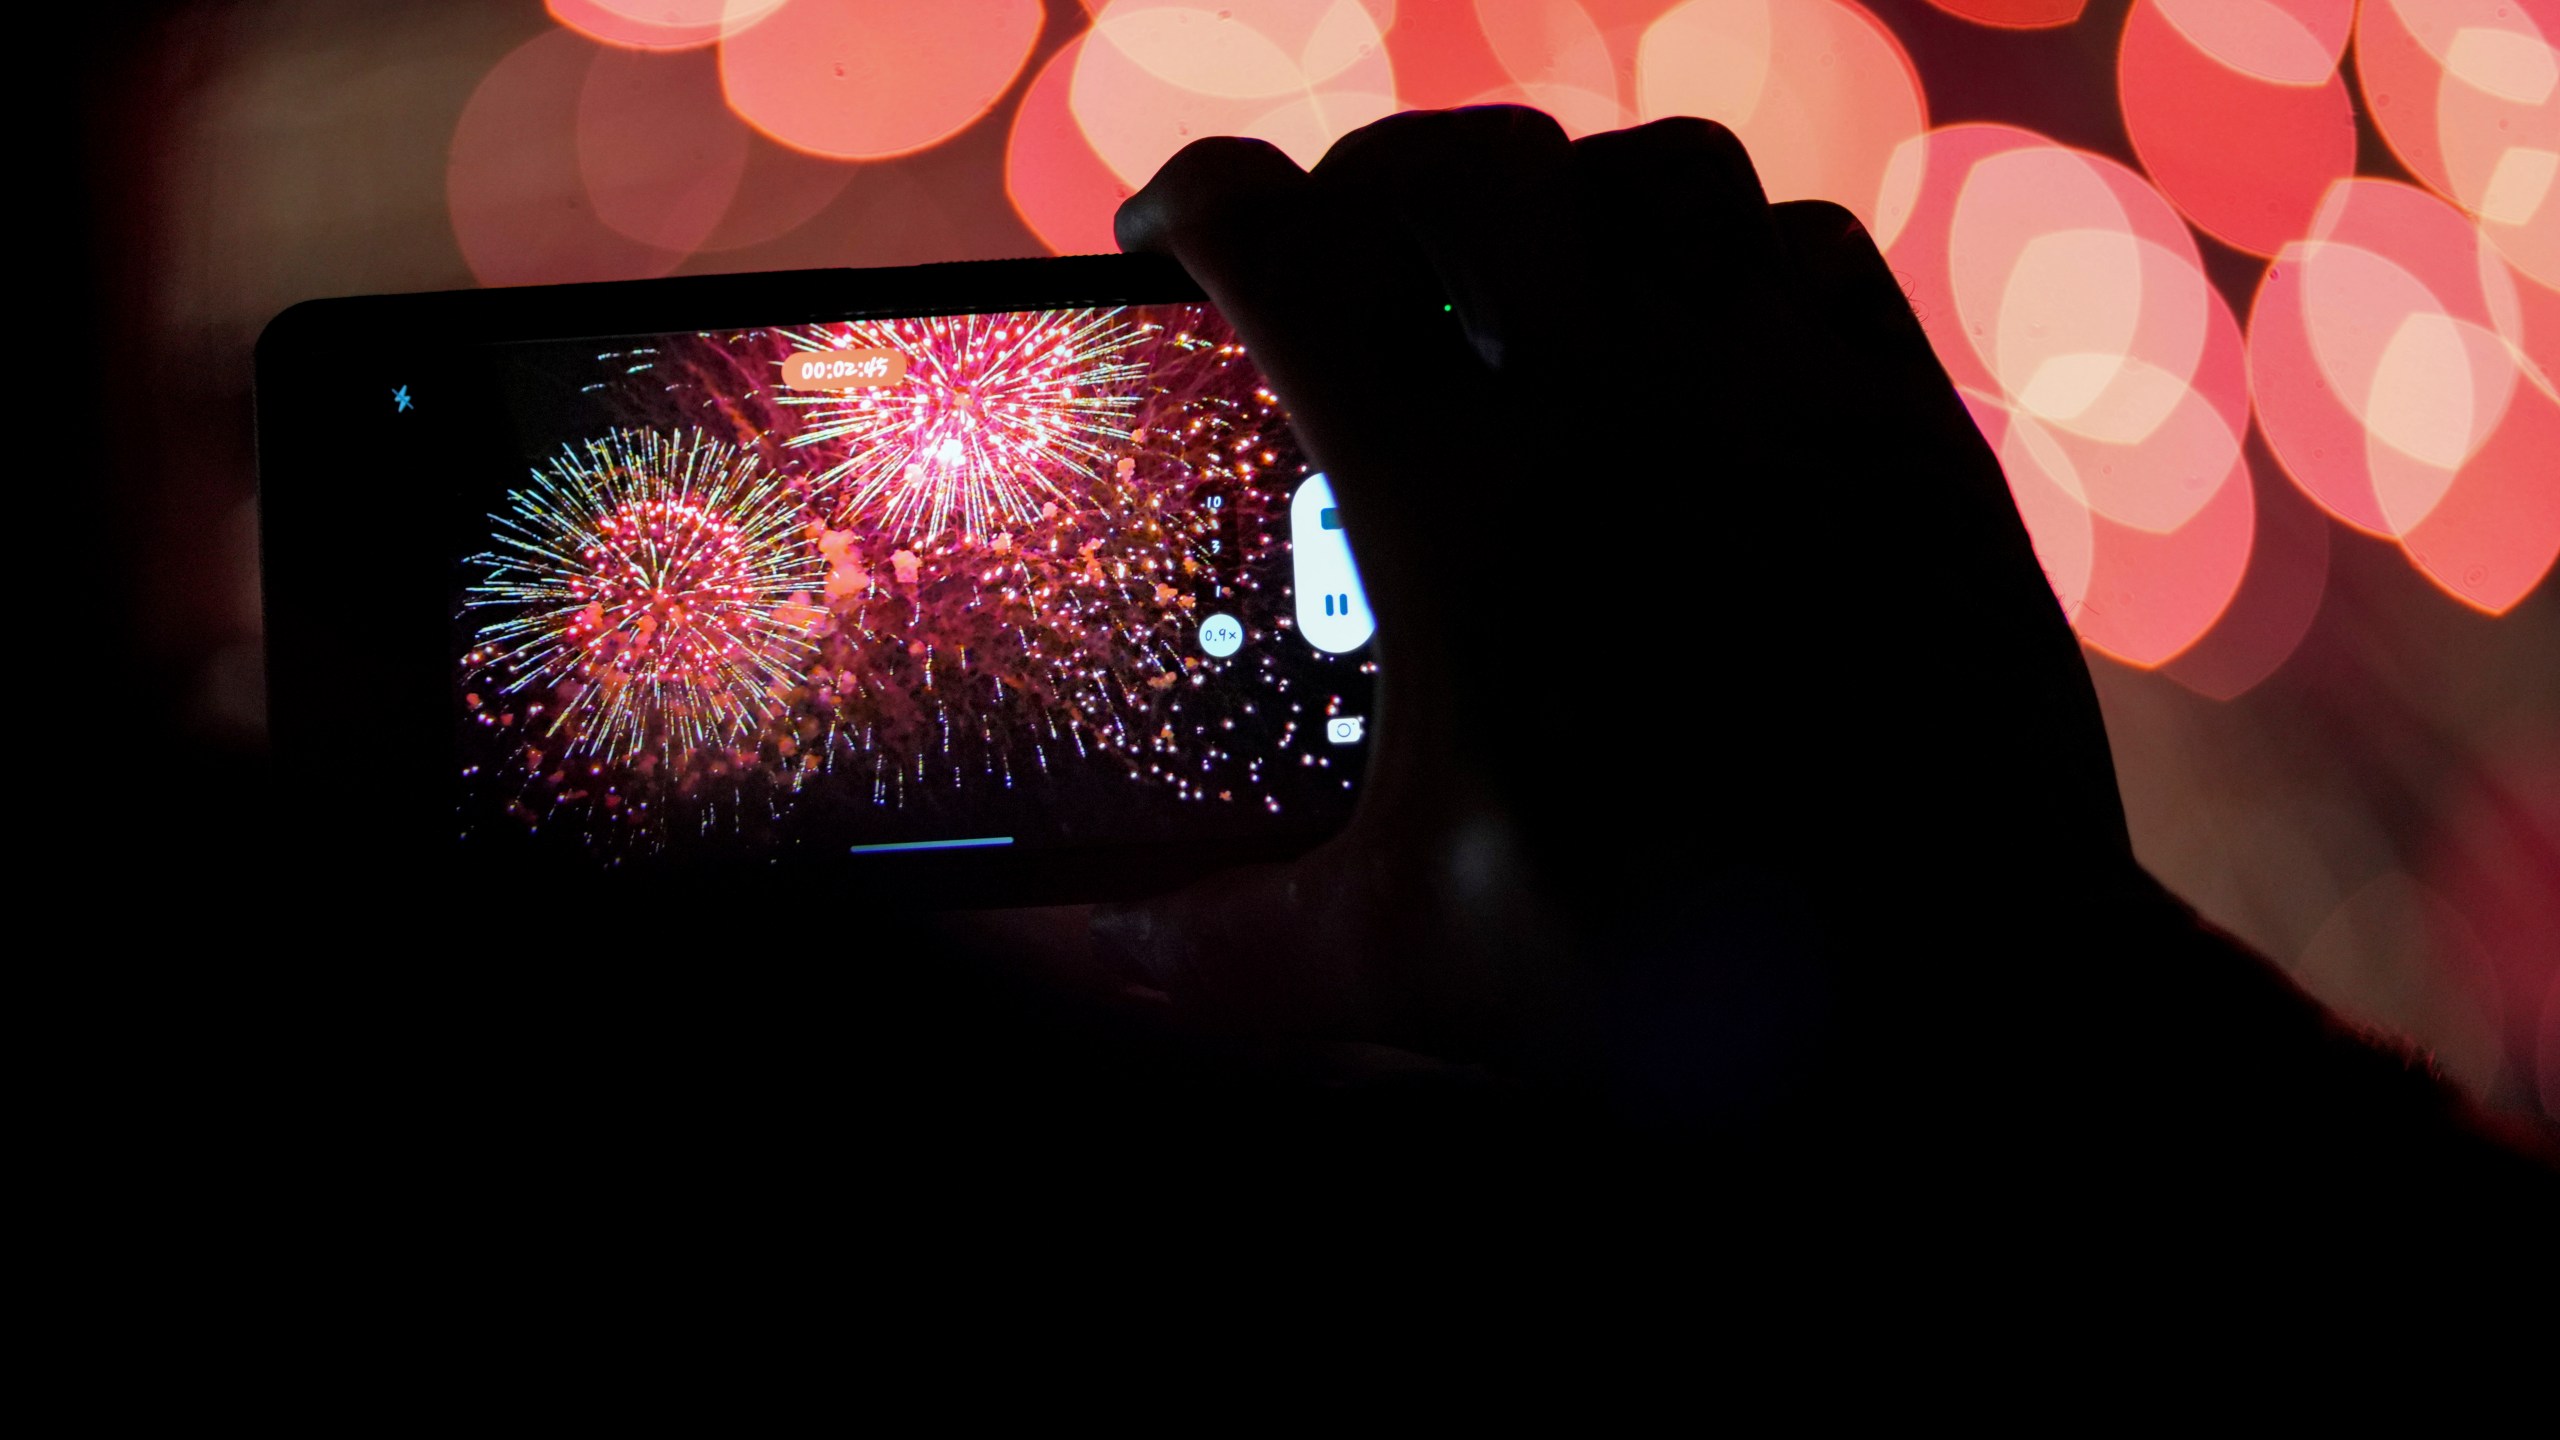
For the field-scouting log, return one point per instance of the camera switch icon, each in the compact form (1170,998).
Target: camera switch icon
(1345,729)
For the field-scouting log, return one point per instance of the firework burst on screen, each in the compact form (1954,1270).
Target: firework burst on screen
(997,417)
(905,665)
(644,586)
(1070,634)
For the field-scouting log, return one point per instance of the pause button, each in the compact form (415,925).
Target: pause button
(1333,614)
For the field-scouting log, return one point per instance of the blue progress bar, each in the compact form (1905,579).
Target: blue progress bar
(934,844)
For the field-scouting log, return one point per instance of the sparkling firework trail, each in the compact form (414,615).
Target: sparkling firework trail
(647,583)
(998,415)
(1070,634)
(907,668)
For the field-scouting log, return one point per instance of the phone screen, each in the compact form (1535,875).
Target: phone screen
(1014,580)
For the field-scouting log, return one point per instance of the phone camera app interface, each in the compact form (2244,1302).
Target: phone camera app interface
(1036,578)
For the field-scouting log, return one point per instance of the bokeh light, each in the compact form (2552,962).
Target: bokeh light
(2288,42)
(779,191)
(2153,594)
(1059,187)
(2040,481)
(862,79)
(660,153)
(2528,315)
(1301,74)
(2389,388)
(2467,92)
(2401,355)
(2063,293)
(2492,537)
(2184,103)
(2015,14)
(2295,544)
(1819,90)
(1442,57)
(2277,601)
(1557,61)
(659,24)
(515,185)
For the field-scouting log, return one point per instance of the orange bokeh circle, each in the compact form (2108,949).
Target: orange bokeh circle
(1149,78)
(659,24)
(1819,90)
(1059,187)
(867,79)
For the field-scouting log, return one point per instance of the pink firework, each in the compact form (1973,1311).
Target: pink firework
(645,583)
(996,416)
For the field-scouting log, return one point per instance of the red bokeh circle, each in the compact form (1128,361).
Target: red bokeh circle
(2064,293)
(1059,187)
(2182,106)
(1820,92)
(2287,42)
(2015,14)
(2387,378)
(2467,93)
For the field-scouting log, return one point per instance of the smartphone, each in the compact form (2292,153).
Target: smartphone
(995,583)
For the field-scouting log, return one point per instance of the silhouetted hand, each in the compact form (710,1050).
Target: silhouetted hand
(1735,765)
(1708,632)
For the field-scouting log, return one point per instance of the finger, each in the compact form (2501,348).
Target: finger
(1960,512)
(1678,207)
(1480,195)
(1335,306)
(1888,375)
(1952,527)
(1843,286)
(1481,192)
(1703,342)
(1342,313)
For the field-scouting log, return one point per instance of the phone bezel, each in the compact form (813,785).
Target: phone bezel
(330,774)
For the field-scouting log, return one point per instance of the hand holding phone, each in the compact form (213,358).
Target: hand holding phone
(1720,679)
